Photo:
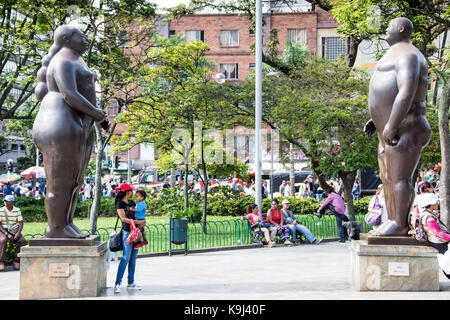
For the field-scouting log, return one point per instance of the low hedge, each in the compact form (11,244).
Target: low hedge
(224,202)
(221,203)
(34,210)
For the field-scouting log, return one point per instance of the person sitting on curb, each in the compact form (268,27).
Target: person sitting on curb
(275,217)
(257,221)
(334,204)
(293,225)
(11,225)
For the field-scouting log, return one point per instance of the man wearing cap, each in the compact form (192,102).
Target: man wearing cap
(11,225)
(166,184)
(291,222)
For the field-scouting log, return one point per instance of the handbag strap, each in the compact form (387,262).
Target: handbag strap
(115,227)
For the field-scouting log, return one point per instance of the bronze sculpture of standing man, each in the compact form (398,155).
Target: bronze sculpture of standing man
(62,129)
(397,106)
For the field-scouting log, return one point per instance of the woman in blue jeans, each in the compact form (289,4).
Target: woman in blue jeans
(123,204)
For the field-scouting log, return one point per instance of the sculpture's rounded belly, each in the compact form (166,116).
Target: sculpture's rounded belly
(56,123)
(382,92)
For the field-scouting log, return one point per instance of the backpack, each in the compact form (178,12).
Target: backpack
(417,228)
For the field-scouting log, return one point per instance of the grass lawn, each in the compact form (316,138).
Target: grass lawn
(34,228)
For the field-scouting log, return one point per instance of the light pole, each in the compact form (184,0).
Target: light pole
(258,103)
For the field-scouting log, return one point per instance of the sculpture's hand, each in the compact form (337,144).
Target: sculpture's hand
(389,135)
(100,115)
(105,124)
(369,128)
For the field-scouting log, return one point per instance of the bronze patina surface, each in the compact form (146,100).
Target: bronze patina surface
(397,107)
(63,128)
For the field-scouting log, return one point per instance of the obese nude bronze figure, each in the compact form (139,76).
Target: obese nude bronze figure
(397,106)
(62,129)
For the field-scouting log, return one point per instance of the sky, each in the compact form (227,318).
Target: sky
(169,3)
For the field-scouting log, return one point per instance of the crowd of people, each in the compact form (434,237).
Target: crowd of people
(23,189)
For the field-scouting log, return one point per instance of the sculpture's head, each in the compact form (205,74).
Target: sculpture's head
(64,36)
(399,29)
(70,37)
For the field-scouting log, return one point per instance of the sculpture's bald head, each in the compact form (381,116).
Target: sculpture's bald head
(399,29)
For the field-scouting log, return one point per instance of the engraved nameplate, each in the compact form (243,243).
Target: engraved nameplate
(58,270)
(400,269)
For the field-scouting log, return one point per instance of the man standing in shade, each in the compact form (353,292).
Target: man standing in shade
(397,94)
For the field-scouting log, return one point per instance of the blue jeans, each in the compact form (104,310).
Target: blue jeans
(342,231)
(303,230)
(128,259)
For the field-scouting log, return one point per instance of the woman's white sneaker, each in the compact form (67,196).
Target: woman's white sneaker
(134,286)
(116,288)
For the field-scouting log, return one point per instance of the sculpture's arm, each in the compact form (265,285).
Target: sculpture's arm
(369,128)
(66,81)
(408,71)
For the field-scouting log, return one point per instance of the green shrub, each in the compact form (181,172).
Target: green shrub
(33,213)
(11,251)
(194,214)
(362,206)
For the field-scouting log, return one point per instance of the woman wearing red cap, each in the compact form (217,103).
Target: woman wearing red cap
(123,203)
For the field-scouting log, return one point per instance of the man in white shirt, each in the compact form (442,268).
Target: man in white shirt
(87,191)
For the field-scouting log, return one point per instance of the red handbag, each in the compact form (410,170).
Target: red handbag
(135,233)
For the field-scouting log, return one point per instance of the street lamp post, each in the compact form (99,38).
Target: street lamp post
(258,103)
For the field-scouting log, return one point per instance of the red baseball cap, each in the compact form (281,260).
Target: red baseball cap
(125,187)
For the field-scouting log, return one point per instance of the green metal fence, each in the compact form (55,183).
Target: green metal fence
(221,233)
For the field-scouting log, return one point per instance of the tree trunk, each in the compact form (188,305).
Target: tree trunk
(292,171)
(205,182)
(186,186)
(441,52)
(444,186)
(348,178)
(353,51)
(172,178)
(98,180)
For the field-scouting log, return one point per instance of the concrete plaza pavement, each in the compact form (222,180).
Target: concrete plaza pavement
(302,272)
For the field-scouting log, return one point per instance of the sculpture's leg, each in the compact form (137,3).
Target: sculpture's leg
(398,163)
(61,175)
(80,181)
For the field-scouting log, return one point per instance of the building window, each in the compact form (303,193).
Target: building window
(122,38)
(113,109)
(229,38)
(333,48)
(252,66)
(230,70)
(297,35)
(195,35)
(171,33)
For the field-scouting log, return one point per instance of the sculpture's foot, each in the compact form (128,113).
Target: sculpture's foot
(66,232)
(75,228)
(391,228)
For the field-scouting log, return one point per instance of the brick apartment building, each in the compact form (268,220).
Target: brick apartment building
(230,40)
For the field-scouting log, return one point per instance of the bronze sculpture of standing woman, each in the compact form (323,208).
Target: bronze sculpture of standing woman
(397,106)
(62,129)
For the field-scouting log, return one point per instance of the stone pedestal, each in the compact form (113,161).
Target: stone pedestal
(52,272)
(394,267)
